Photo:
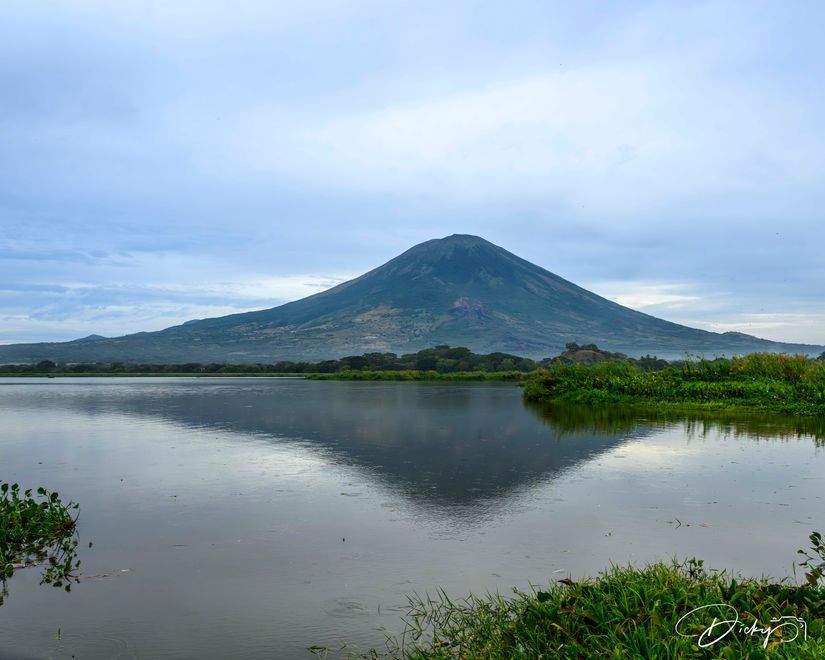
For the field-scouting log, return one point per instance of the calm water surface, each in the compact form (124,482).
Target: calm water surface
(255,517)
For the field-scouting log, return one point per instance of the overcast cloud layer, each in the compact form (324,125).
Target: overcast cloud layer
(163,161)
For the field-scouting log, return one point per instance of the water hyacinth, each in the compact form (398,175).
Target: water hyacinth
(38,529)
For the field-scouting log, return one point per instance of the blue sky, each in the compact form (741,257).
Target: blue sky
(163,161)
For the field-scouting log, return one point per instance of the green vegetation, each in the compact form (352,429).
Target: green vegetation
(438,360)
(582,373)
(791,384)
(52,369)
(37,529)
(659,611)
(590,354)
(431,362)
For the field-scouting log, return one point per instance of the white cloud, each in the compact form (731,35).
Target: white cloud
(807,327)
(76,309)
(109,320)
(210,155)
(613,138)
(264,288)
(639,295)
(534,136)
(711,308)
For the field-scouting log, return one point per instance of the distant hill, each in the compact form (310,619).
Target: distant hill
(461,290)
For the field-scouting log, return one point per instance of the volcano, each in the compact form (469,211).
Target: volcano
(461,290)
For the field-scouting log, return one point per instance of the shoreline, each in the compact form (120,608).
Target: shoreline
(346,375)
(670,610)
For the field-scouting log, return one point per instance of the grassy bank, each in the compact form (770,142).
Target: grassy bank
(791,384)
(659,611)
(625,613)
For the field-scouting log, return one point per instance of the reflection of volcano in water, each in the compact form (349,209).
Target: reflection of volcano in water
(450,443)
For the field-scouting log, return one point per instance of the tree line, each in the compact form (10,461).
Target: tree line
(441,359)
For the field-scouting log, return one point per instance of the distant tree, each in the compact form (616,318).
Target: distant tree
(83,368)
(354,362)
(822,356)
(381,361)
(445,365)
(426,363)
(507,364)
(45,365)
(458,353)
(651,363)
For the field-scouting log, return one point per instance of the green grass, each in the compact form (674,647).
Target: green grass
(625,612)
(791,384)
(37,529)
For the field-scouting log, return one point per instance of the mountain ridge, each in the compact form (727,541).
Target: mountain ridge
(460,290)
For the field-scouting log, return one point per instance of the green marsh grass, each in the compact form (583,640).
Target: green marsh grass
(786,383)
(658,611)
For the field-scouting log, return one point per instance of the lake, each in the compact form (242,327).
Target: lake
(253,517)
